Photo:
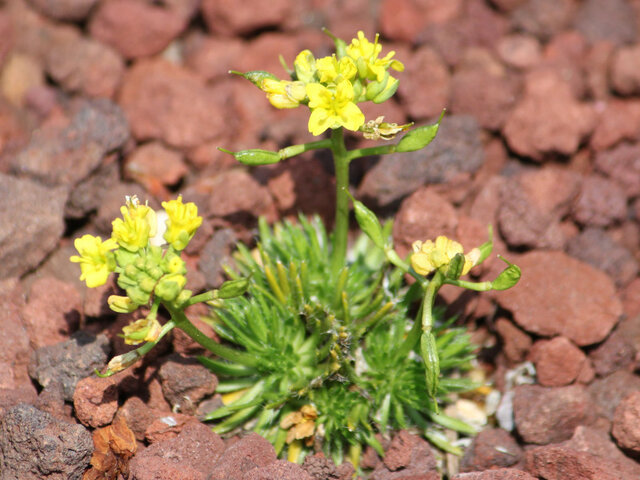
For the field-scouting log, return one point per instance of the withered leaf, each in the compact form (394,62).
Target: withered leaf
(114,446)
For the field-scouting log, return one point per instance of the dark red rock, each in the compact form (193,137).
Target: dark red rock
(544,18)
(615,353)
(167,427)
(138,416)
(608,392)
(278,470)
(598,442)
(610,20)
(580,303)
(25,244)
(70,361)
(601,202)
(557,462)
(531,207)
(486,95)
(139,28)
(85,66)
(212,57)
(220,199)
(548,118)
(154,166)
(498,474)
(192,455)
(166,102)
(622,164)
(250,452)
(596,65)
(14,344)
(33,442)
(185,382)
(515,343)
(596,247)
(624,70)
(520,50)
(408,457)
(404,20)
(550,415)
(422,103)
(491,448)
(558,362)
(423,215)
(224,17)
(320,467)
(69,10)
(630,297)
(67,155)
(619,120)
(10,397)
(52,313)
(626,423)
(95,401)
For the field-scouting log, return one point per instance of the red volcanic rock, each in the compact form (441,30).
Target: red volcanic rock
(224,16)
(558,362)
(166,102)
(626,423)
(95,401)
(137,28)
(548,118)
(558,295)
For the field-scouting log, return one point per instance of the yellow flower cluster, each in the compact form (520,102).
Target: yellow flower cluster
(134,232)
(430,256)
(332,86)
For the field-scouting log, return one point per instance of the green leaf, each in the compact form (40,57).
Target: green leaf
(508,277)
(419,138)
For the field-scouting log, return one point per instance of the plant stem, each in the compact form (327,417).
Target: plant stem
(293,150)
(341,228)
(429,299)
(183,323)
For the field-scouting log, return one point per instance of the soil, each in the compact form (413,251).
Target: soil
(105,98)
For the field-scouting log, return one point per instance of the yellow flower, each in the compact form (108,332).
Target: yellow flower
(429,256)
(137,225)
(96,261)
(333,109)
(182,223)
(305,66)
(365,55)
(283,93)
(142,330)
(332,70)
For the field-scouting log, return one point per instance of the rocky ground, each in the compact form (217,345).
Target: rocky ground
(105,98)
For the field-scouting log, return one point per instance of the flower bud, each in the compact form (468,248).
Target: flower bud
(121,304)
(455,266)
(256,76)
(419,137)
(369,223)
(170,286)
(390,89)
(233,288)
(119,363)
(254,156)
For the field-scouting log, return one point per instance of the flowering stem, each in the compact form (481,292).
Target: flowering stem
(341,229)
(227,353)
(203,297)
(365,152)
(293,150)
(429,299)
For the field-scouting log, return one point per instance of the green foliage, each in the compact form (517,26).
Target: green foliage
(346,345)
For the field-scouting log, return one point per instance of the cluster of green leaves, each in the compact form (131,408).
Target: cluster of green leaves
(345,344)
